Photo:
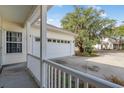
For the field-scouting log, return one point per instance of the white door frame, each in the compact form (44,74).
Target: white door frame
(0,47)
(0,41)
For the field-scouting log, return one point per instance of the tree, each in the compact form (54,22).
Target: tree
(108,29)
(119,31)
(88,24)
(119,34)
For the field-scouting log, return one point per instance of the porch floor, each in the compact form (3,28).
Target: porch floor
(16,76)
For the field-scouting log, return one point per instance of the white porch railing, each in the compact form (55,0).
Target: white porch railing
(33,64)
(60,76)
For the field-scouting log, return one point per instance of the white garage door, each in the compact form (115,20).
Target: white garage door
(55,48)
(58,48)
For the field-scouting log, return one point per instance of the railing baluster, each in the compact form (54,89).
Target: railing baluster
(80,76)
(77,83)
(59,77)
(46,74)
(55,79)
(51,77)
(69,81)
(64,80)
(85,84)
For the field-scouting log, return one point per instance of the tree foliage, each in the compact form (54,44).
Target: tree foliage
(119,31)
(88,24)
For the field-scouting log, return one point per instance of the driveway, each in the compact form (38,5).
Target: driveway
(105,65)
(16,76)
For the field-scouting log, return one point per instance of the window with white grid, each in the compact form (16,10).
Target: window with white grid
(13,42)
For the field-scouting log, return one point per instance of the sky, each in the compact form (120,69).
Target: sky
(56,13)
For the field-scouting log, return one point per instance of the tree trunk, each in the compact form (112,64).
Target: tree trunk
(81,49)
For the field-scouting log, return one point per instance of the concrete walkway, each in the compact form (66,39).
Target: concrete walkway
(102,66)
(16,76)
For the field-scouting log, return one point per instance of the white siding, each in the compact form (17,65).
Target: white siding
(31,35)
(11,58)
(0,46)
(34,65)
(59,35)
(54,49)
(36,48)
(72,47)
(0,42)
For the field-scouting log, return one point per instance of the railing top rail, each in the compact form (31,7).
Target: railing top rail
(84,76)
(36,57)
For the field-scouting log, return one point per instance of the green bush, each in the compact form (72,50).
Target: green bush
(89,50)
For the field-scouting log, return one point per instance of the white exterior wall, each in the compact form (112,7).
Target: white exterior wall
(110,46)
(106,41)
(97,46)
(34,65)
(59,35)
(31,45)
(0,47)
(11,58)
(53,49)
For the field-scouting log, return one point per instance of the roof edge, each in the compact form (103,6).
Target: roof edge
(60,30)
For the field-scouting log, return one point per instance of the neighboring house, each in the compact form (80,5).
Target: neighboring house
(107,43)
(110,43)
(97,47)
(119,43)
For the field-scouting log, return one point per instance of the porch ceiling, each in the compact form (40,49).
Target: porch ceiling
(16,13)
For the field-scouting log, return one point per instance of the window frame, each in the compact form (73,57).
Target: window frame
(68,42)
(49,40)
(17,43)
(58,41)
(54,40)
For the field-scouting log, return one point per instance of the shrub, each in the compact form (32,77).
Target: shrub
(115,79)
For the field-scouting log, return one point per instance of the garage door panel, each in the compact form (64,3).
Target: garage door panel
(58,50)
(54,49)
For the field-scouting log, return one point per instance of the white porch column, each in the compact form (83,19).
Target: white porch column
(29,45)
(43,40)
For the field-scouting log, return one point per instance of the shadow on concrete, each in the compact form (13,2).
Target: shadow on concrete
(90,67)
